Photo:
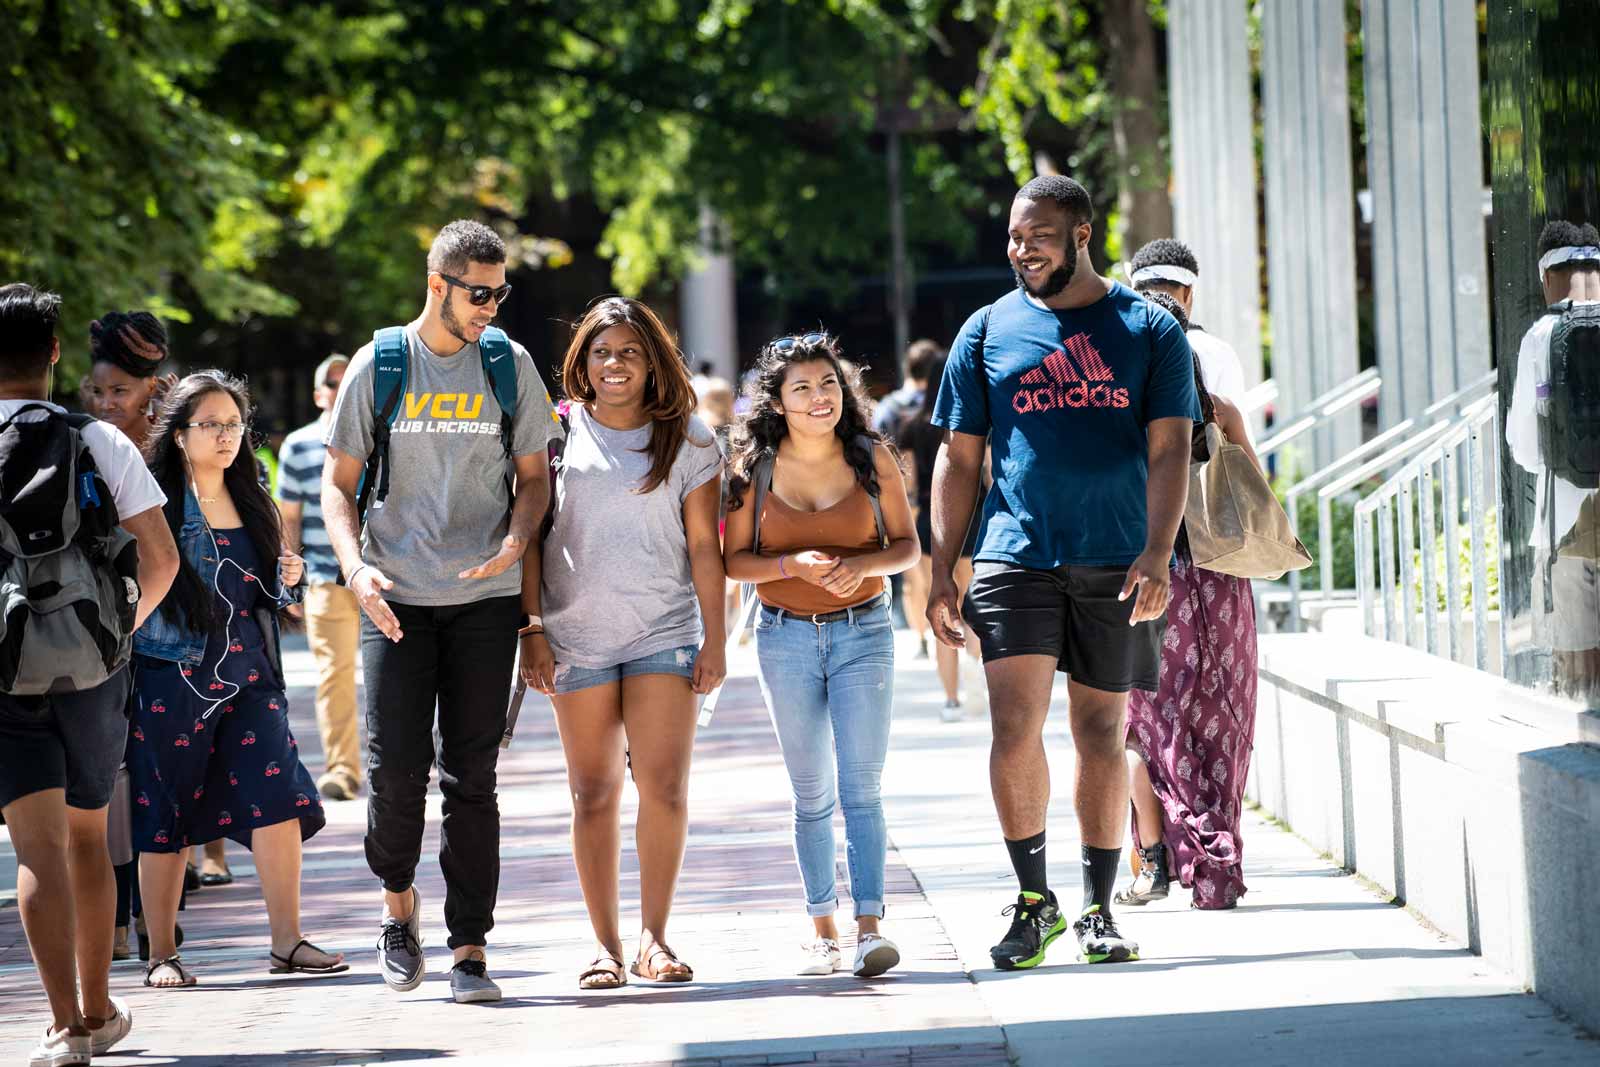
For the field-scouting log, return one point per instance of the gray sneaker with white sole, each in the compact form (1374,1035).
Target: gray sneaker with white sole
(400,948)
(470,983)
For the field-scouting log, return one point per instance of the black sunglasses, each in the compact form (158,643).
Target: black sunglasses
(479,295)
(789,344)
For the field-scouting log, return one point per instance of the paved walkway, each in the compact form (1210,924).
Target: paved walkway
(1313,966)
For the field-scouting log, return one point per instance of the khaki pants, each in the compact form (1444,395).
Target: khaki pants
(333,629)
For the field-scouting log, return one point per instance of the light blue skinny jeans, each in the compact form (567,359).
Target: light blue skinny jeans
(829,688)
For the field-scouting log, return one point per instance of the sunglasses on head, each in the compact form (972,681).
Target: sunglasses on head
(479,295)
(789,344)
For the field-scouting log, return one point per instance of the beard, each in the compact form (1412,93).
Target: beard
(448,315)
(1057,281)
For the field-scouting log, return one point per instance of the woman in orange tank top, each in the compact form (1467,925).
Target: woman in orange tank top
(824,642)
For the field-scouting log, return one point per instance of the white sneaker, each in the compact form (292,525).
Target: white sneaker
(875,955)
(951,712)
(822,956)
(61,1049)
(115,1028)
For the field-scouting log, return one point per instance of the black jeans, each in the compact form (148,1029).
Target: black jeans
(459,660)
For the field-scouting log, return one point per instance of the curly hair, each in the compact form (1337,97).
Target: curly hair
(462,243)
(669,397)
(1167,252)
(758,432)
(1169,303)
(1559,233)
(1069,195)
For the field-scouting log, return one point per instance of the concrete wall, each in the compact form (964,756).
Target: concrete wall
(1474,801)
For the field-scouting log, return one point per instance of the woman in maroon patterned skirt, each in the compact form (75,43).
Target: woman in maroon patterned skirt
(1189,742)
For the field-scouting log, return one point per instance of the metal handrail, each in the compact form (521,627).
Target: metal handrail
(1322,409)
(1460,449)
(1427,421)
(1259,397)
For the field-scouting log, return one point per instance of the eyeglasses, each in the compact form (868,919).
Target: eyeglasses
(789,344)
(479,295)
(218,430)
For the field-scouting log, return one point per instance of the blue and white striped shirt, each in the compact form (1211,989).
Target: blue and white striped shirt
(300,482)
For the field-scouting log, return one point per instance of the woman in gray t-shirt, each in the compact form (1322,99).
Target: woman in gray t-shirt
(628,615)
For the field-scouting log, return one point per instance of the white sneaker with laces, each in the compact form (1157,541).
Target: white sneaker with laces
(61,1048)
(113,1029)
(875,955)
(821,956)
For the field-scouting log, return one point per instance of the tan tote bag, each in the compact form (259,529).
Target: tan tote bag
(1235,524)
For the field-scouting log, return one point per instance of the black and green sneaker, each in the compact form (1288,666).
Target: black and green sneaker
(1099,940)
(1035,924)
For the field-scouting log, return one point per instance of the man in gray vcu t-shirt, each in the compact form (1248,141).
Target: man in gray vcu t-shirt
(437,570)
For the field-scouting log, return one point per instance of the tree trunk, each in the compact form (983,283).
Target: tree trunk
(1138,122)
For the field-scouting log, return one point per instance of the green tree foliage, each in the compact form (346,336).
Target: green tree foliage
(241,158)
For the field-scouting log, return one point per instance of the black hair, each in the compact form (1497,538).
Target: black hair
(930,396)
(1559,233)
(1169,303)
(28,318)
(192,602)
(464,242)
(1164,252)
(757,433)
(108,345)
(920,356)
(1072,197)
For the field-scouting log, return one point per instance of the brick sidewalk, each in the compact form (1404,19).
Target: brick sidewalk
(739,920)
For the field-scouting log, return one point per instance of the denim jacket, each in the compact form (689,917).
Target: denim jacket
(161,638)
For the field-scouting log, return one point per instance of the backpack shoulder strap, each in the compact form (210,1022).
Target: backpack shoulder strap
(866,441)
(500,368)
(391,358)
(760,483)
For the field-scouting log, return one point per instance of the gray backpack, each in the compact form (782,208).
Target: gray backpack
(68,572)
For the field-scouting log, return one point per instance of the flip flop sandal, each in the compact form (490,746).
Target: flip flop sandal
(211,878)
(654,975)
(174,963)
(599,976)
(286,964)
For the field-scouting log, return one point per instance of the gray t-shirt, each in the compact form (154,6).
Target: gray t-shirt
(616,563)
(448,508)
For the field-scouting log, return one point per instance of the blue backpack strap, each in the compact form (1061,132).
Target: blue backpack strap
(500,368)
(390,363)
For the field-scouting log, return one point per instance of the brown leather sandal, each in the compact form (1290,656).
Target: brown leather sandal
(646,967)
(604,973)
(173,962)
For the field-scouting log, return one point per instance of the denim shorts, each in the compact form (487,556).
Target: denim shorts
(680,661)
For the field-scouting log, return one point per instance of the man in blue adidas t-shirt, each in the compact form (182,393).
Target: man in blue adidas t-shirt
(1085,393)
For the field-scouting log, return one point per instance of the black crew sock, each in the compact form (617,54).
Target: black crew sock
(1027,859)
(1099,876)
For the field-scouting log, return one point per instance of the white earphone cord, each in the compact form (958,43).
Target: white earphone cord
(227,647)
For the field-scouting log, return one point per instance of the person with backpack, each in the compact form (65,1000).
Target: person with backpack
(1553,432)
(1186,773)
(818,518)
(1084,394)
(436,478)
(630,582)
(76,502)
(211,753)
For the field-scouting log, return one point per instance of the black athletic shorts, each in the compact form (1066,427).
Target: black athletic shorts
(71,741)
(1071,613)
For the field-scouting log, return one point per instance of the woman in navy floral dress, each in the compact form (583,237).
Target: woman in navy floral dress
(211,754)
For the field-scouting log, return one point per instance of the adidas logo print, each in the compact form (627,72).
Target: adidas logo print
(1073,376)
